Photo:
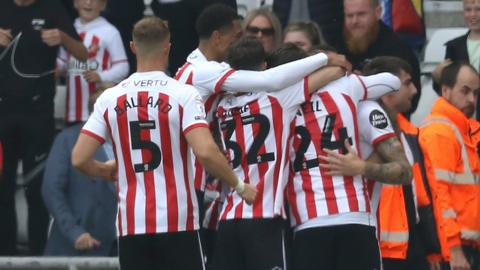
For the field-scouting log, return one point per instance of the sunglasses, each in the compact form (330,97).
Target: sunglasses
(264,31)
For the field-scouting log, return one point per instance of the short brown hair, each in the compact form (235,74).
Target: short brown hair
(149,32)
(391,64)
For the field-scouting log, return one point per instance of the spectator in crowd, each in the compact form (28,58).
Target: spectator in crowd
(328,14)
(467,47)
(445,136)
(31,33)
(365,36)
(123,14)
(158,214)
(107,62)
(264,24)
(83,208)
(305,35)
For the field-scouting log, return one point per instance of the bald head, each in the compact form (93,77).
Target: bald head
(149,34)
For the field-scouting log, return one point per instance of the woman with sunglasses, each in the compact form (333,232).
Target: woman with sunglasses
(264,24)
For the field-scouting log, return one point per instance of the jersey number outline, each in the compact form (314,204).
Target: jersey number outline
(252,154)
(326,143)
(139,144)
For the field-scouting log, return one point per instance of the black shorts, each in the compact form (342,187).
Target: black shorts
(169,251)
(250,244)
(342,247)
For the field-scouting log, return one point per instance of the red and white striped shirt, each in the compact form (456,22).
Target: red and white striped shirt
(256,128)
(147,117)
(317,199)
(211,78)
(185,75)
(375,127)
(106,56)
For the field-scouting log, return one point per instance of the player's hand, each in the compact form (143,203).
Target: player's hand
(91,76)
(51,37)
(85,242)
(111,173)
(458,260)
(340,60)
(5,37)
(343,164)
(249,194)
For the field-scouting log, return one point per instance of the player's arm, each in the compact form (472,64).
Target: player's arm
(213,160)
(395,168)
(56,37)
(324,76)
(282,76)
(119,65)
(83,159)
(375,86)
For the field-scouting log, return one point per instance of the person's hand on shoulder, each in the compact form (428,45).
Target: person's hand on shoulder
(340,60)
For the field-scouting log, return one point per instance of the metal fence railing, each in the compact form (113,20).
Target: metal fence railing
(57,263)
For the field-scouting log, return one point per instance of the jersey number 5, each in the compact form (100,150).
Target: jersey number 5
(253,156)
(136,128)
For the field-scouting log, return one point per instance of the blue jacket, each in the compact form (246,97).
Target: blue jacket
(77,203)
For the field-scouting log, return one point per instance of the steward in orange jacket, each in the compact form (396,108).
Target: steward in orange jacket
(403,215)
(445,135)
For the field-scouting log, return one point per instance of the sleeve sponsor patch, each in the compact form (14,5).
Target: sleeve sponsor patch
(378,119)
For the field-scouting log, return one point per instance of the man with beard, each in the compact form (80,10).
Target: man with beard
(447,138)
(365,36)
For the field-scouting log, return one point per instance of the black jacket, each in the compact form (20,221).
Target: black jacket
(387,44)
(457,49)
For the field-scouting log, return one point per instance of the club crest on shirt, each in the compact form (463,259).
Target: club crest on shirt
(378,119)
(38,24)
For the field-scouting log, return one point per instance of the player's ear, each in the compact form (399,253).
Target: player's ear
(103,5)
(167,48)
(133,48)
(215,36)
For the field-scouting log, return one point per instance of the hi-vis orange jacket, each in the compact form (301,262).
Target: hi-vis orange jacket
(393,219)
(446,136)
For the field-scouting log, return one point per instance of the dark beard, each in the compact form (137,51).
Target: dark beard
(358,46)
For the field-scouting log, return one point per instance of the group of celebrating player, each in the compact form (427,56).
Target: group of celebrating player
(263,134)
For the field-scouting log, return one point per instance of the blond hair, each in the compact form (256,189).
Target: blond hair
(148,33)
(271,17)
